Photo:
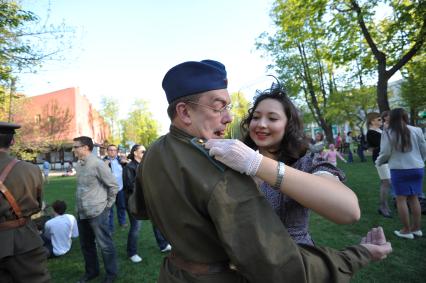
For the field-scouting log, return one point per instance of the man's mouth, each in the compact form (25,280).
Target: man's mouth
(220,133)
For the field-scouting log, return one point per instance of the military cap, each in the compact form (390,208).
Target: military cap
(194,77)
(8,128)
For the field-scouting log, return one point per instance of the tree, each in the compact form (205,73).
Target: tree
(413,88)
(351,106)
(240,106)
(139,126)
(109,110)
(25,43)
(393,40)
(299,49)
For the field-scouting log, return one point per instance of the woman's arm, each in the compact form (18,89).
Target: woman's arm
(323,194)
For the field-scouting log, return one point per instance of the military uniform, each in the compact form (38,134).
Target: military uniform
(22,256)
(213,216)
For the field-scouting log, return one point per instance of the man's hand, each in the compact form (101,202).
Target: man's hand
(235,154)
(375,243)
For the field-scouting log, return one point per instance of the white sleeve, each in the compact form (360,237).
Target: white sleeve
(74,228)
(422,144)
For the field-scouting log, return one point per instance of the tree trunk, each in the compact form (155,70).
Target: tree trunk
(382,87)
(328,131)
(413,114)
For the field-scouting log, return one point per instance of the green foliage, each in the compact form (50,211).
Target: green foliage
(300,51)
(351,105)
(413,88)
(327,46)
(240,107)
(109,110)
(394,32)
(139,126)
(13,50)
(25,44)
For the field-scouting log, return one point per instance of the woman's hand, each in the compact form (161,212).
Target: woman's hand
(235,154)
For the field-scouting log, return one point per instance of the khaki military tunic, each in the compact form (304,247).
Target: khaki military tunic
(24,182)
(210,214)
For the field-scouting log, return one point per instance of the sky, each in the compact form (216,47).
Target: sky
(122,49)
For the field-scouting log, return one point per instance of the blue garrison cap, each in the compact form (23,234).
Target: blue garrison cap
(194,77)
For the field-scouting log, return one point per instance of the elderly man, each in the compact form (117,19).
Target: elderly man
(96,192)
(22,256)
(220,226)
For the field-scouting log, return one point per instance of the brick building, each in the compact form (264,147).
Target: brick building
(55,118)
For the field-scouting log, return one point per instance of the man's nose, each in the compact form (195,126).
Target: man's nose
(227,117)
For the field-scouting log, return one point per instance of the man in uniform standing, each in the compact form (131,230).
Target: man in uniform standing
(220,226)
(22,256)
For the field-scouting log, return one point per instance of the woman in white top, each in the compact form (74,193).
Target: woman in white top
(404,148)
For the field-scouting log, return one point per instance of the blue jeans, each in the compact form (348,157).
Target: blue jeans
(120,203)
(132,237)
(95,232)
(161,241)
(361,155)
(350,156)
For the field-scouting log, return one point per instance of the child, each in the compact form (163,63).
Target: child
(331,155)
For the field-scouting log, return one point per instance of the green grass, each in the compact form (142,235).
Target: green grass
(405,264)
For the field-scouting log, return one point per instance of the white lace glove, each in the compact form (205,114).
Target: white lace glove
(235,154)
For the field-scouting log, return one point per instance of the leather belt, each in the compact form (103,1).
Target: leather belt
(10,224)
(198,268)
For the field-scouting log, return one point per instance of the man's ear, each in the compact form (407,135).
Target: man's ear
(12,141)
(182,113)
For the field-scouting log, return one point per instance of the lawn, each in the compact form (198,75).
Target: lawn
(406,263)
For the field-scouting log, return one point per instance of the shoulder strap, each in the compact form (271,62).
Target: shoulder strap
(5,191)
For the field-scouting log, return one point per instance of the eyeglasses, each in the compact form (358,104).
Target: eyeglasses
(227,107)
(77,146)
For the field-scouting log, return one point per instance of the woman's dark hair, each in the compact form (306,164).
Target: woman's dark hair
(294,143)
(398,120)
(131,155)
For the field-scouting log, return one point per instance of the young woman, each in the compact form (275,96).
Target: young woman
(374,134)
(404,148)
(129,176)
(274,128)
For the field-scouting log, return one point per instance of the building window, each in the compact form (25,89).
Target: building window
(37,119)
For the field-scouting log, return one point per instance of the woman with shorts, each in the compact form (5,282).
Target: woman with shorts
(374,133)
(404,148)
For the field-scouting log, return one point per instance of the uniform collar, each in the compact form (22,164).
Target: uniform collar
(180,134)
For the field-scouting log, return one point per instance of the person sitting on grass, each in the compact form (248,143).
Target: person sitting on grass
(59,230)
